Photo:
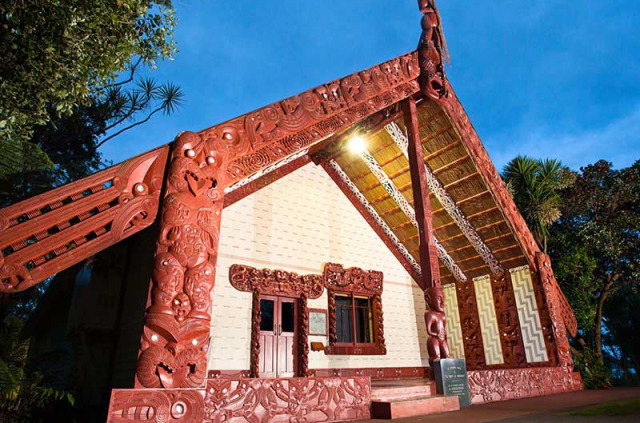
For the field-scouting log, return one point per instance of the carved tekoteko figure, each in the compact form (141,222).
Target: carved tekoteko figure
(432,50)
(435,320)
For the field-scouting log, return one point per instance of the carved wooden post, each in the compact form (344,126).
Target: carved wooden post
(175,339)
(256,315)
(434,318)
(303,338)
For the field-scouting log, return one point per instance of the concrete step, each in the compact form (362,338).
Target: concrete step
(395,392)
(414,406)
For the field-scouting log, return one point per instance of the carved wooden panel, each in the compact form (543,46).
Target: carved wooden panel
(499,385)
(275,282)
(55,230)
(353,279)
(247,401)
(508,323)
(470,323)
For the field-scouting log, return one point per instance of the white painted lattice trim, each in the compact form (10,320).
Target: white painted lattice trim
(447,202)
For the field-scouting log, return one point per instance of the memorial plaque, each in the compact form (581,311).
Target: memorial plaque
(450,375)
(318,322)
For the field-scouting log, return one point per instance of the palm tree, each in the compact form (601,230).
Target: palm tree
(534,185)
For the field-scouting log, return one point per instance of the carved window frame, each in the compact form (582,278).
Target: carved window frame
(355,282)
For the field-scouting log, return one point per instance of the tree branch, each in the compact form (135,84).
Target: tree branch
(133,125)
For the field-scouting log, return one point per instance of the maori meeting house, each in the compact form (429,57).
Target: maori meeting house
(313,260)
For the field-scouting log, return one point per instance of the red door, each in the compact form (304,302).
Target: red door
(278,330)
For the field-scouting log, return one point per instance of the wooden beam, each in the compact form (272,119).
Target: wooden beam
(421,201)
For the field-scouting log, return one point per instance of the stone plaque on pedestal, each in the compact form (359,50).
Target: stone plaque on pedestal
(450,375)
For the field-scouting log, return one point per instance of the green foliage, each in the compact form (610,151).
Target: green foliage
(574,266)
(21,394)
(595,375)
(622,320)
(534,185)
(58,54)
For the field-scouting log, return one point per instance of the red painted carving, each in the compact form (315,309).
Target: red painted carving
(275,282)
(353,279)
(303,338)
(156,405)
(435,321)
(499,385)
(87,216)
(283,128)
(431,51)
(52,231)
(293,399)
(375,373)
(175,339)
(372,372)
(508,321)
(560,313)
(247,401)
(470,324)
(256,315)
(357,281)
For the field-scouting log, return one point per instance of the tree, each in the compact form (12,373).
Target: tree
(59,54)
(534,185)
(602,210)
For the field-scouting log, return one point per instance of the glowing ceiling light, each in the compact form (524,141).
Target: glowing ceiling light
(357,144)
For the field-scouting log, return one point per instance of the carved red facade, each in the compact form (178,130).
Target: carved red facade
(247,401)
(499,385)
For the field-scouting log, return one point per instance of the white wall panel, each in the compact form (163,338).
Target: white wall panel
(298,224)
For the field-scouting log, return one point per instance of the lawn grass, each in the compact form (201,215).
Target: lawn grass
(620,408)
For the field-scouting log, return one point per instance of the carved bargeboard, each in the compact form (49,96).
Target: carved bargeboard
(52,231)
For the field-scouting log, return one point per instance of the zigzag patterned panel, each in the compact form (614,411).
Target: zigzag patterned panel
(454,331)
(488,321)
(534,347)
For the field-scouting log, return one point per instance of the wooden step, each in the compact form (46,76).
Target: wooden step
(414,406)
(395,392)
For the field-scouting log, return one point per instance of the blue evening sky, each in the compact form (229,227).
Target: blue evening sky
(545,78)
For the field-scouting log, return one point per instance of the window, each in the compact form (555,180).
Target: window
(355,311)
(354,315)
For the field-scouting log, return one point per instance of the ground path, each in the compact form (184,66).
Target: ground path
(548,409)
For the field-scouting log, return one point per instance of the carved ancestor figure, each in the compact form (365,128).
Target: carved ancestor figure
(431,51)
(435,319)
(176,333)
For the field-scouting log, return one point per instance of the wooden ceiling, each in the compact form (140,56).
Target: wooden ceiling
(456,171)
